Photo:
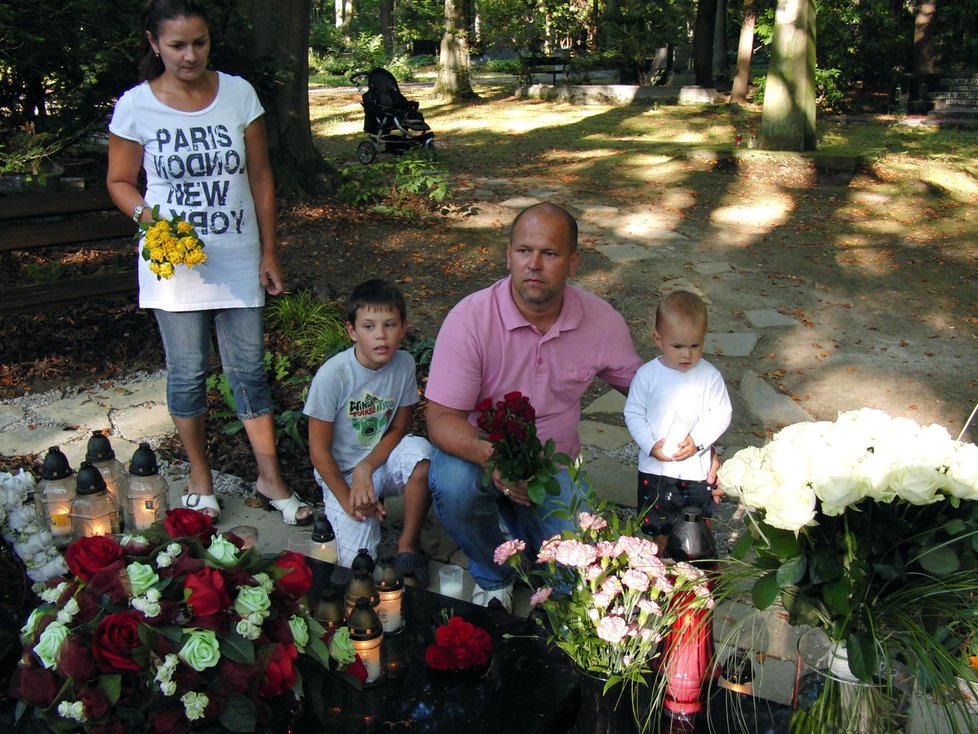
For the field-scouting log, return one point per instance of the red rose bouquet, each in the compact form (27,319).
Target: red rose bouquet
(518,455)
(174,628)
(459,645)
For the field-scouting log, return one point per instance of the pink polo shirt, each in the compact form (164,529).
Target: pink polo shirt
(486,348)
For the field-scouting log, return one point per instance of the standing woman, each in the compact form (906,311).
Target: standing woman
(200,137)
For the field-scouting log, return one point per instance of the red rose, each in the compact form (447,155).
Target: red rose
(293,573)
(113,726)
(108,582)
(75,660)
(34,685)
(88,556)
(205,592)
(169,721)
(96,703)
(115,639)
(279,673)
(184,523)
(236,677)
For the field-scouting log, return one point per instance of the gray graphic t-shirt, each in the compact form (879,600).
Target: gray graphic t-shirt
(360,403)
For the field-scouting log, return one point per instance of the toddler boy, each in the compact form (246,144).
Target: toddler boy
(677,407)
(360,405)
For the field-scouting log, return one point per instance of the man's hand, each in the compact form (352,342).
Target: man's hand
(515,492)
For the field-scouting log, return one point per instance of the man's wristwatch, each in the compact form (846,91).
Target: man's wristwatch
(138,212)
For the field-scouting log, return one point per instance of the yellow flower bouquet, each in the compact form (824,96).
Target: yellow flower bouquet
(170,242)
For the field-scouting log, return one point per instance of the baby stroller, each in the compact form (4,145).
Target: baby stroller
(393,122)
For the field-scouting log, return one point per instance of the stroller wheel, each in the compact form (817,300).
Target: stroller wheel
(428,149)
(366,152)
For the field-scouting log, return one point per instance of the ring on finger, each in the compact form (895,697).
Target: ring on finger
(506,491)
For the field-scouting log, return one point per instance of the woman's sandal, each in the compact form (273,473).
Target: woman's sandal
(197,501)
(289,507)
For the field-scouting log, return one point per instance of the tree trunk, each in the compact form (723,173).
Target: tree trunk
(387,25)
(788,117)
(454,79)
(745,50)
(706,11)
(923,46)
(344,15)
(298,166)
(720,70)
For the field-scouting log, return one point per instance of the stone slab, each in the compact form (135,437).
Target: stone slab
(626,252)
(661,235)
(33,441)
(542,194)
(142,422)
(764,318)
(10,414)
(603,435)
(736,344)
(611,402)
(84,414)
(596,211)
(612,480)
(769,406)
(128,396)
(712,268)
(519,202)
(682,284)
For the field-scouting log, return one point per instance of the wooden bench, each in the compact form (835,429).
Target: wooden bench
(552,65)
(31,221)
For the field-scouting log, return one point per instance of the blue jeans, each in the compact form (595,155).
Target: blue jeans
(471,513)
(187,342)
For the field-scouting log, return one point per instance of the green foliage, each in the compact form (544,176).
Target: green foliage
(309,328)
(419,20)
(393,187)
(503,66)
(421,60)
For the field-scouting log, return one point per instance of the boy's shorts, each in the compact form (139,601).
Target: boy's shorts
(389,480)
(664,498)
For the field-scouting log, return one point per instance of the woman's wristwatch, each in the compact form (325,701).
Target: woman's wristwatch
(138,212)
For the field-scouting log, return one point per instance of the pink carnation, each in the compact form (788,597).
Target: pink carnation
(593,572)
(635,580)
(575,553)
(507,550)
(650,607)
(601,600)
(587,521)
(606,549)
(612,586)
(612,629)
(650,565)
(548,550)
(540,596)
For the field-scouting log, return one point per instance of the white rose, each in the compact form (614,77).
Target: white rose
(761,485)
(736,471)
(962,472)
(790,507)
(23,520)
(917,484)
(838,492)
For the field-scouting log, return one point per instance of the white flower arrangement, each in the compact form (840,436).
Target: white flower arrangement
(25,532)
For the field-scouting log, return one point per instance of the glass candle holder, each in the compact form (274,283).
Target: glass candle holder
(54,495)
(367,634)
(93,512)
(390,590)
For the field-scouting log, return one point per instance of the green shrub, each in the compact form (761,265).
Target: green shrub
(308,328)
(503,66)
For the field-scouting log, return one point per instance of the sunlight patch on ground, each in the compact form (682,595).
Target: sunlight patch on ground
(881,226)
(765,215)
(658,168)
(956,184)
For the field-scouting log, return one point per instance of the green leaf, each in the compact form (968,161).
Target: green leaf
(863,661)
(239,714)
(792,571)
(237,649)
(111,685)
(765,590)
(955,526)
(782,543)
(940,561)
(562,459)
(742,547)
(824,566)
(537,492)
(835,594)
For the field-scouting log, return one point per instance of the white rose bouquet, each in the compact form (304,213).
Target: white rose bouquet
(866,527)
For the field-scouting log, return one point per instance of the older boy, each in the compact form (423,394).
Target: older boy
(359,407)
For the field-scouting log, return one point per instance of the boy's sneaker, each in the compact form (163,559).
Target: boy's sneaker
(495,597)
